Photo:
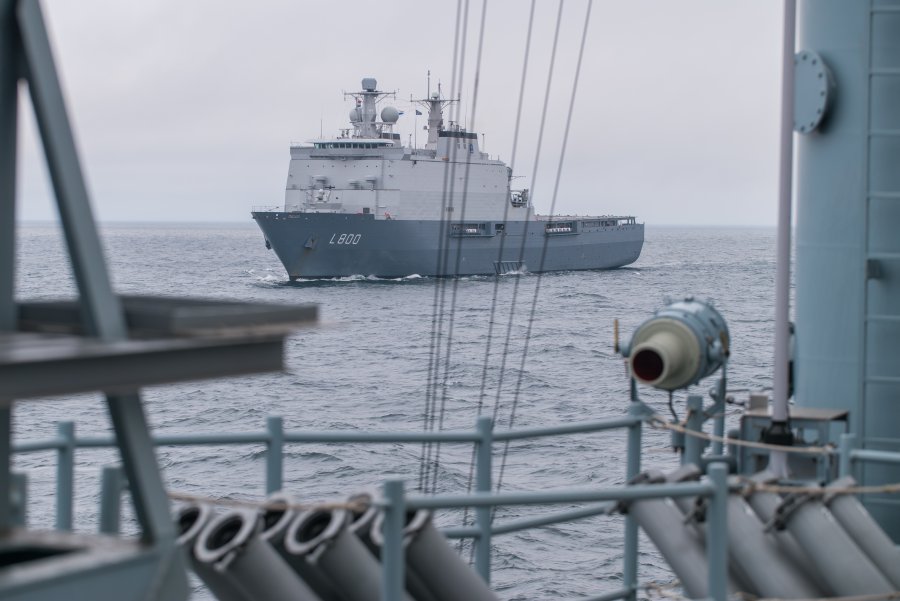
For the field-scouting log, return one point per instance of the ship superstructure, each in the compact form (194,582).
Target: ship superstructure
(362,203)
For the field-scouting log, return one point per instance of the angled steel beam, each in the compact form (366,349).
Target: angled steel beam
(9,80)
(102,311)
(101,308)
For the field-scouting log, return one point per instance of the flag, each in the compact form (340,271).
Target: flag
(418,112)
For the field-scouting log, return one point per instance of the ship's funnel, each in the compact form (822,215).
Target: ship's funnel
(683,343)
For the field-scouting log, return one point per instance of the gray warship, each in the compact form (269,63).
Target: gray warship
(364,204)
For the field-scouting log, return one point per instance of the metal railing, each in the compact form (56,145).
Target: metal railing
(396,501)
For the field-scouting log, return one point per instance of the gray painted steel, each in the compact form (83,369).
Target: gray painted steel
(865,532)
(436,564)
(307,245)
(841,566)
(761,558)
(325,540)
(282,535)
(190,520)
(848,250)
(230,544)
(660,518)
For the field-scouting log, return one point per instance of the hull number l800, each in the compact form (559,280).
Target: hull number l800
(345,239)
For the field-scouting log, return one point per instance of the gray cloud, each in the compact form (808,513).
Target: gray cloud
(184,110)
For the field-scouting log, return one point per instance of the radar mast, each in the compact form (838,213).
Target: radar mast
(363,116)
(435,106)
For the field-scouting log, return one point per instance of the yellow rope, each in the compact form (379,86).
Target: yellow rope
(783,489)
(355,506)
(658,423)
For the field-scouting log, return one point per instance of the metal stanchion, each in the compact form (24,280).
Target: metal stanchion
(277,519)
(432,560)
(683,552)
(322,538)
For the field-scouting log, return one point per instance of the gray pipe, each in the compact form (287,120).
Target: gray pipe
(189,522)
(432,560)
(694,526)
(762,559)
(756,560)
(663,521)
(276,519)
(372,523)
(323,539)
(843,568)
(764,506)
(230,544)
(361,522)
(865,531)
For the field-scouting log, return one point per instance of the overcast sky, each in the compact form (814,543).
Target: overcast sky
(184,110)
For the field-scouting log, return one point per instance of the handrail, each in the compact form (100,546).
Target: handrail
(275,437)
(396,503)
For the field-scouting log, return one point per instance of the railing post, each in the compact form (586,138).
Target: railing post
(719,417)
(717,532)
(18,500)
(693,446)
(275,454)
(632,469)
(484,457)
(845,460)
(65,475)
(112,483)
(392,558)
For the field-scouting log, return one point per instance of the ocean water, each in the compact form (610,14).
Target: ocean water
(367,367)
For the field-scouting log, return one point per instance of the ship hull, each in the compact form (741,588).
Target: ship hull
(326,245)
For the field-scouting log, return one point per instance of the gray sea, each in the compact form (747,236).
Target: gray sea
(369,365)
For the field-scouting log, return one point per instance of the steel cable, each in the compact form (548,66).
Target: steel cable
(437,306)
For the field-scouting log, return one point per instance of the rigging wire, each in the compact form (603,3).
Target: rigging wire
(516,285)
(463,203)
(482,393)
(437,303)
(562,157)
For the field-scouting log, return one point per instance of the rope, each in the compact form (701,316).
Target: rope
(663,589)
(872,597)
(819,491)
(355,506)
(658,423)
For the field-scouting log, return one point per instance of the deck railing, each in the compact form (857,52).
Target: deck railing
(396,501)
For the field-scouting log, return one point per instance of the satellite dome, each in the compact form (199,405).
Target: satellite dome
(355,115)
(435,95)
(389,114)
(369,84)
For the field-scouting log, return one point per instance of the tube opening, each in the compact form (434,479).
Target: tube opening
(272,516)
(313,527)
(225,533)
(647,365)
(187,519)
